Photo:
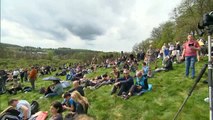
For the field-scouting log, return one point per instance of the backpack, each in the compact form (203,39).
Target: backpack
(27,89)
(34,107)
(10,114)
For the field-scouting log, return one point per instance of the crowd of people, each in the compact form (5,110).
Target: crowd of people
(123,85)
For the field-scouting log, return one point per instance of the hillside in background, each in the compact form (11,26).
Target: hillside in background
(16,56)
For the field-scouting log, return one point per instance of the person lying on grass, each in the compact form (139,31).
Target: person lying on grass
(141,84)
(56,110)
(54,90)
(77,87)
(22,106)
(91,83)
(124,84)
(106,80)
(68,103)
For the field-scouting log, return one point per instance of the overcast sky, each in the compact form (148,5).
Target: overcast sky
(105,25)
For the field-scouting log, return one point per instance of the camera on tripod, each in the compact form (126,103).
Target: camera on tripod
(206,23)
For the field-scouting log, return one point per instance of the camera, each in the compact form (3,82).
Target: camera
(206,23)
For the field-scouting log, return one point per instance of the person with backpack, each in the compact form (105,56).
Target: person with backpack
(22,106)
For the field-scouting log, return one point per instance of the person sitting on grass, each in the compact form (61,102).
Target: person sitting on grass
(55,89)
(71,74)
(104,81)
(82,103)
(141,84)
(68,103)
(124,84)
(146,70)
(56,110)
(115,72)
(22,106)
(77,87)
(168,66)
(14,87)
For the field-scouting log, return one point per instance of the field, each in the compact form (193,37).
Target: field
(169,91)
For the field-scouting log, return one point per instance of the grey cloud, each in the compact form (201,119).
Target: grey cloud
(85,32)
(48,19)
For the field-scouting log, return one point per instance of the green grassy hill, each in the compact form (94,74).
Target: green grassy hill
(169,91)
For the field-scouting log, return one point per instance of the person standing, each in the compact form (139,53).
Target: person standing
(32,77)
(150,55)
(178,51)
(190,49)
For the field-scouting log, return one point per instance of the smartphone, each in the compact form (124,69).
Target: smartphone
(191,44)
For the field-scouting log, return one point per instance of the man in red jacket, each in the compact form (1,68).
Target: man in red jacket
(32,77)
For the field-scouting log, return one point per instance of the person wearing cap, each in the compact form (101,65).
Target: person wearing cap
(124,84)
(68,103)
(141,84)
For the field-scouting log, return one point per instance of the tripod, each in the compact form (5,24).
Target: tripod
(210,81)
(210,77)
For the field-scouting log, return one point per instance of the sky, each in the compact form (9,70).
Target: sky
(103,25)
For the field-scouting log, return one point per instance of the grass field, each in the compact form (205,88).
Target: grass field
(169,91)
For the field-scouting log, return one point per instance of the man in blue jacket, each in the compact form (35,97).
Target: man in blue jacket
(124,84)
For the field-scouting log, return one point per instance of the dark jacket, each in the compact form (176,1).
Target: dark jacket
(127,81)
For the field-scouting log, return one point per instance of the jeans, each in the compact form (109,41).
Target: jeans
(135,89)
(51,95)
(32,81)
(68,77)
(122,88)
(190,63)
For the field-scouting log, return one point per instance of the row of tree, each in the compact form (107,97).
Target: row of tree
(184,20)
(10,53)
